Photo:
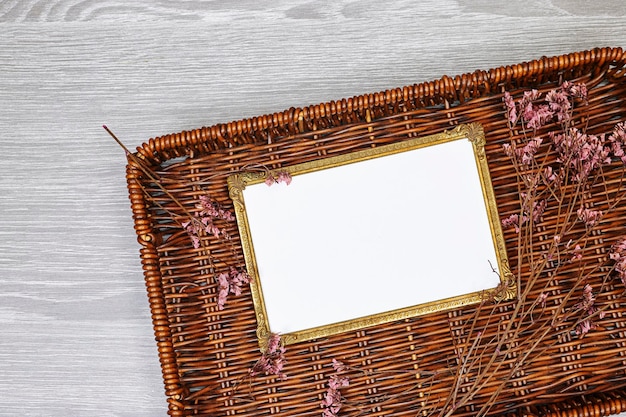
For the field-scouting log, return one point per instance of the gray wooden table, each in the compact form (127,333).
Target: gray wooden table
(75,330)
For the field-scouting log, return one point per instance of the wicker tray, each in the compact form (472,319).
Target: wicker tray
(205,352)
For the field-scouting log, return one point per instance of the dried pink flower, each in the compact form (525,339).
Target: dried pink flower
(333,401)
(618,254)
(192,230)
(588,308)
(222,290)
(530,96)
(514,220)
(617,141)
(508,150)
(589,217)
(584,327)
(511,110)
(273,343)
(578,90)
(338,366)
(534,114)
(530,210)
(211,208)
(588,299)
(580,152)
(273,359)
(270,180)
(230,282)
(284,177)
(208,211)
(538,209)
(550,176)
(529,150)
(277,177)
(559,103)
(537,116)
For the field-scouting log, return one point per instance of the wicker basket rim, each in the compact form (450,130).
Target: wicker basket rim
(460,88)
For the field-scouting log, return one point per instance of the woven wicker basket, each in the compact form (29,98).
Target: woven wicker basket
(204,351)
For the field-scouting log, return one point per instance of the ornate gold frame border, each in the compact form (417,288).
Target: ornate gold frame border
(506,290)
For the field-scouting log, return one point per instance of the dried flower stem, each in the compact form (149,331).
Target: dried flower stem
(147,171)
(579,171)
(346,370)
(203,220)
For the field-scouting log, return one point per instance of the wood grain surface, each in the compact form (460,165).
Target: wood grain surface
(76,334)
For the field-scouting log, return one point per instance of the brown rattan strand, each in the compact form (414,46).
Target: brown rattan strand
(205,352)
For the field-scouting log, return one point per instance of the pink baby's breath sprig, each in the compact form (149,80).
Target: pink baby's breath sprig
(589,217)
(339,366)
(272,360)
(530,210)
(561,171)
(618,255)
(208,213)
(580,156)
(525,155)
(577,253)
(230,282)
(515,221)
(511,108)
(272,176)
(588,309)
(617,141)
(550,176)
(333,400)
(580,152)
(277,178)
(535,111)
(213,209)
(577,90)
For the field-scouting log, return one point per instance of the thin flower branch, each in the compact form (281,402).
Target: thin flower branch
(558,174)
(209,219)
(272,360)
(333,400)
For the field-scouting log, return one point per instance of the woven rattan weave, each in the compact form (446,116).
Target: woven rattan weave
(205,352)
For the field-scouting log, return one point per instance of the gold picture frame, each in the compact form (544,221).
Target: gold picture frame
(240,184)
